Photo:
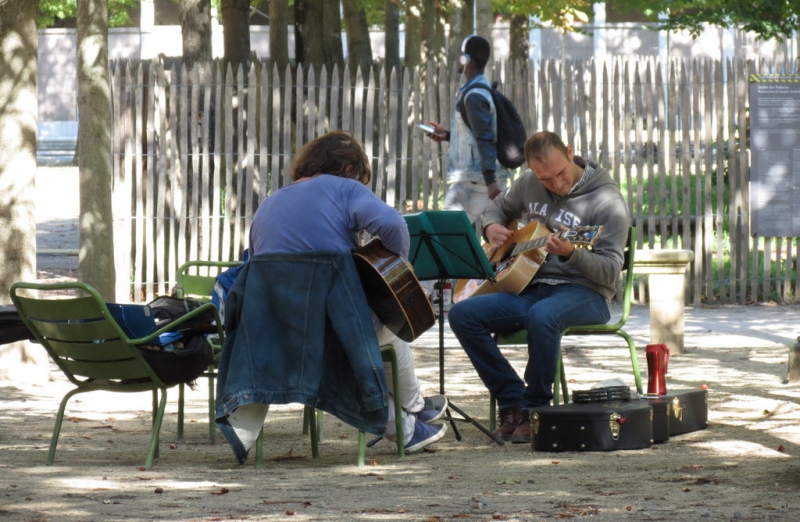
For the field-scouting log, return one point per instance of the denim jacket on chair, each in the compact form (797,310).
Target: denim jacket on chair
(298,330)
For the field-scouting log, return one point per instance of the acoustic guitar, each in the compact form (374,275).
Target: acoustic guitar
(517,260)
(393,291)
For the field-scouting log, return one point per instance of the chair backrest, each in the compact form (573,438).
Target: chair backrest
(81,336)
(196,279)
(627,266)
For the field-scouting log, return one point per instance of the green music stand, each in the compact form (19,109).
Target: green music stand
(444,246)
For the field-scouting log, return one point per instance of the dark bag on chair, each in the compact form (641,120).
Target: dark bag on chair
(182,361)
(179,356)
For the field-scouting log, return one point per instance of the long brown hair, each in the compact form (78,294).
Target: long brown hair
(337,153)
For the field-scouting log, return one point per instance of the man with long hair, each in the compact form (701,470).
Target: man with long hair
(325,208)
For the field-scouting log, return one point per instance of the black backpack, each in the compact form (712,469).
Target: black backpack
(511,135)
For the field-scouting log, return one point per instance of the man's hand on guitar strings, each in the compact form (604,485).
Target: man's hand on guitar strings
(497,234)
(559,246)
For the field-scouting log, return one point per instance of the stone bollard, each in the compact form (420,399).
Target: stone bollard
(666,270)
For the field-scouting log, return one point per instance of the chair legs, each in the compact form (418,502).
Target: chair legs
(312,419)
(181,415)
(388,355)
(260,449)
(158,418)
(159,406)
(637,377)
(51,455)
(212,418)
(563,381)
(308,414)
(212,431)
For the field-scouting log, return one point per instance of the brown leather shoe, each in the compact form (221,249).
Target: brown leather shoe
(509,421)
(522,435)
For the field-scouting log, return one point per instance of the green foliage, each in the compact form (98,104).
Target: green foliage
(685,185)
(376,13)
(767,18)
(52,10)
(561,14)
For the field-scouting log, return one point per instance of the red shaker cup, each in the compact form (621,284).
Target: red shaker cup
(657,361)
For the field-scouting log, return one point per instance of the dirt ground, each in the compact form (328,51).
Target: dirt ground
(743,467)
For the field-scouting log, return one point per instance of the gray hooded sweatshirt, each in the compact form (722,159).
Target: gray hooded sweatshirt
(598,201)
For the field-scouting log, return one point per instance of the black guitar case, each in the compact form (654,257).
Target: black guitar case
(596,426)
(685,410)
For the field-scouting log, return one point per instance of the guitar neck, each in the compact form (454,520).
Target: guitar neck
(533,244)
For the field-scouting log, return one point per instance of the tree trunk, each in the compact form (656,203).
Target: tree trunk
(413,47)
(359,48)
(484,25)
(392,40)
(18,117)
(484,18)
(332,34)
(236,30)
(308,33)
(439,43)
(319,26)
(454,37)
(279,33)
(300,31)
(520,29)
(96,260)
(427,31)
(196,30)
(467,20)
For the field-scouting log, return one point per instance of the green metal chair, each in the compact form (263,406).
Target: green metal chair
(520,337)
(314,429)
(196,279)
(89,346)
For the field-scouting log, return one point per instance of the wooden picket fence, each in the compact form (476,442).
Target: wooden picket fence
(195,151)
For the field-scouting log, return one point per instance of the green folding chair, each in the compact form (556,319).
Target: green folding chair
(89,346)
(195,280)
(520,337)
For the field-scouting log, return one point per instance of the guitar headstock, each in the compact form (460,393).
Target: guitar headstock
(583,237)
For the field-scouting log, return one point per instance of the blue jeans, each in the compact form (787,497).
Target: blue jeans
(544,311)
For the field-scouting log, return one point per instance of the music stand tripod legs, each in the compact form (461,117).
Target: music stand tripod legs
(448,416)
(444,246)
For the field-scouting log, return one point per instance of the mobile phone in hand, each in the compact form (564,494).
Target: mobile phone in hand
(426,128)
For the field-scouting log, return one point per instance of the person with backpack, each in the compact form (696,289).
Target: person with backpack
(475,175)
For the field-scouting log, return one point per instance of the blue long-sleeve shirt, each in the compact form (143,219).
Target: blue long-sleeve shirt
(325,212)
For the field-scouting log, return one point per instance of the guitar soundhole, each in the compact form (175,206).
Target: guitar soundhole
(508,253)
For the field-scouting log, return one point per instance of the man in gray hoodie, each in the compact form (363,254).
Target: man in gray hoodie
(571,287)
